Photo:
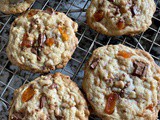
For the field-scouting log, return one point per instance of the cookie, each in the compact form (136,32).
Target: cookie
(15,6)
(41,41)
(50,97)
(122,83)
(120,17)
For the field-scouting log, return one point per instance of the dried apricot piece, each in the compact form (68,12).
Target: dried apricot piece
(64,34)
(28,94)
(99,15)
(26,42)
(49,42)
(111,103)
(121,24)
(150,107)
(125,54)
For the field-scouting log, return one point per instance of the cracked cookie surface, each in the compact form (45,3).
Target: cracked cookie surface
(50,97)
(120,17)
(122,83)
(15,6)
(41,41)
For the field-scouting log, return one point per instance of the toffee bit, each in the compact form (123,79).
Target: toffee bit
(42,102)
(140,69)
(25,42)
(50,11)
(49,42)
(150,107)
(123,10)
(94,63)
(99,15)
(121,24)
(54,85)
(32,13)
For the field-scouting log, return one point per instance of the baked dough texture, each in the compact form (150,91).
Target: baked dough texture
(50,97)
(122,83)
(120,17)
(41,41)
(14,6)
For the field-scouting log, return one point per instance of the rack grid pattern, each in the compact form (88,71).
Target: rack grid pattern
(11,77)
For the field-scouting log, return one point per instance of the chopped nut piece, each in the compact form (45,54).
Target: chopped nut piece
(65,37)
(38,45)
(111,103)
(140,69)
(121,24)
(94,63)
(28,94)
(132,94)
(34,50)
(42,102)
(119,84)
(125,54)
(17,116)
(109,81)
(54,85)
(41,39)
(49,42)
(99,15)
(38,58)
(135,10)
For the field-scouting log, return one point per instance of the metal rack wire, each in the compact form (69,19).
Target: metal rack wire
(11,77)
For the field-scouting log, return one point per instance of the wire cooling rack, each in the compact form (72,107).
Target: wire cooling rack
(11,77)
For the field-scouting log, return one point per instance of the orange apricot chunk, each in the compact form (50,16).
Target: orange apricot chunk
(28,94)
(125,54)
(111,103)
